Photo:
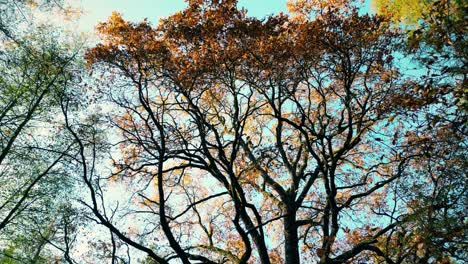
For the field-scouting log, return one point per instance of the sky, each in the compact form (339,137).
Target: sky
(95,11)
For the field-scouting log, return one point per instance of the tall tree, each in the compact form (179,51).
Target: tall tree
(258,140)
(34,70)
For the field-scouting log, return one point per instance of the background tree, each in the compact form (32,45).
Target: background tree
(436,42)
(35,70)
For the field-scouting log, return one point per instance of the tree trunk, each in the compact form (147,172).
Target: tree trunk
(291,239)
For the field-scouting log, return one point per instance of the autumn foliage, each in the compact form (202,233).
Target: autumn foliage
(293,138)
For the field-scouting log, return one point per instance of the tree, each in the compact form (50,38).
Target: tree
(276,140)
(35,71)
(436,43)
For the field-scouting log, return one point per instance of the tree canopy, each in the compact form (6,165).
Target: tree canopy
(324,135)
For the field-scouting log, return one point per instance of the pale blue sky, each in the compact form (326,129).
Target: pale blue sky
(136,10)
(95,11)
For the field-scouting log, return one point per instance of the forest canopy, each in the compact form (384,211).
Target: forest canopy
(324,134)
